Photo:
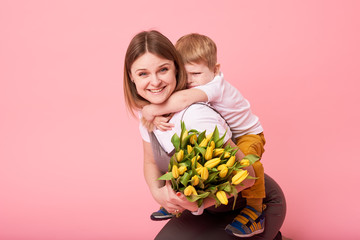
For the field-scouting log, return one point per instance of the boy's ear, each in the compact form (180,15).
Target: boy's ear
(217,68)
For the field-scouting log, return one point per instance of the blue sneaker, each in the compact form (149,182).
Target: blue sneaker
(162,214)
(248,223)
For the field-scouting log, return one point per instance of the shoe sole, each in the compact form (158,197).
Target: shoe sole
(160,218)
(245,236)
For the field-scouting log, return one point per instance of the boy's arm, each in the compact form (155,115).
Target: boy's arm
(177,101)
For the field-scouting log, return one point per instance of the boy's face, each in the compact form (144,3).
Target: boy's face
(199,74)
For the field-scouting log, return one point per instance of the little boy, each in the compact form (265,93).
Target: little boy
(206,84)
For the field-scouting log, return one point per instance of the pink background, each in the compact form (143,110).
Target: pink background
(71,156)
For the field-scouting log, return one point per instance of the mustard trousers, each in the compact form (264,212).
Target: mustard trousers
(254,144)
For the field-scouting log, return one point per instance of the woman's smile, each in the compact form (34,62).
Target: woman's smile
(154,77)
(156,90)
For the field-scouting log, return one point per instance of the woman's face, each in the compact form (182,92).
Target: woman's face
(154,77)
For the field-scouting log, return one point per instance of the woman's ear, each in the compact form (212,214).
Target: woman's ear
(217,69)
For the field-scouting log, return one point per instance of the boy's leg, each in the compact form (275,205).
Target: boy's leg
(254,144)
(250,221)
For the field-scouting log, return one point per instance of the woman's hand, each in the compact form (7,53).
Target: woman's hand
(171,201)
(181,200)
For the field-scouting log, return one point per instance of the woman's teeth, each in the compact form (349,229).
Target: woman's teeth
(156,90)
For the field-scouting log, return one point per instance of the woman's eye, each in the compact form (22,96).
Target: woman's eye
(164,70)
(196,73)
(142,74)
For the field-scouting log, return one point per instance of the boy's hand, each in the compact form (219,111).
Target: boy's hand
(147,113)
(162,124)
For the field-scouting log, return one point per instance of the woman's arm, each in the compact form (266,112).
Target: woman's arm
(161,192)
(151,171)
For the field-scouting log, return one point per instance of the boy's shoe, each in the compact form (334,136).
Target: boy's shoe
(248,223)
(162,214)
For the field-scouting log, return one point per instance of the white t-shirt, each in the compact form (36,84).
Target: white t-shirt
(229,102)
(198,116)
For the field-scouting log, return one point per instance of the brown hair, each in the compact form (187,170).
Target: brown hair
(197,48)
(157,44)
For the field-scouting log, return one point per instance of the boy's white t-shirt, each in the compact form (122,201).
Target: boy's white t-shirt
(229,102)
(198,116)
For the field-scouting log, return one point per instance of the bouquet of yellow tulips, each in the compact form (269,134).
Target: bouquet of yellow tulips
(203,167)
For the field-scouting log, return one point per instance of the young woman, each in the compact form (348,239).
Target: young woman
(153,71)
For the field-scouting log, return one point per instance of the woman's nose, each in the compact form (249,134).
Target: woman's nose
(155,80)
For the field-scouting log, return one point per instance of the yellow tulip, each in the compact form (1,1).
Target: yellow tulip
(180,155)
(209,153)
(204,142)
(212,163)
(223,170)
(189,190)
(227,155)
(189,149)
(218,152)
(222,166)
(239,176)
(221,195)
(245,162)
(182,169)
(185,135)
(231,161)
(212,144)
(195,159)
(193,139)
(203,172)
(175,171)
(195,180)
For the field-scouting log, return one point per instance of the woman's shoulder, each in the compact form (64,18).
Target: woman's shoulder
(199,111)
(203,117)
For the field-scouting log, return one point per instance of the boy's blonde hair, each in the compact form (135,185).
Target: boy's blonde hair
(197,48)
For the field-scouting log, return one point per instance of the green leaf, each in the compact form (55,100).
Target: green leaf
(201,137)
(251,177)
(200,150)
(193,198)
(174,184)
(193,131)
(185,179)
(176,142)
(201,183)
(215,135)
(212,176)
(173,162)
(166,176)
(252,158)
(185,141)
(226,186)
(200,202)
(220,141)
(217,202)
(183,128)
(235,194)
